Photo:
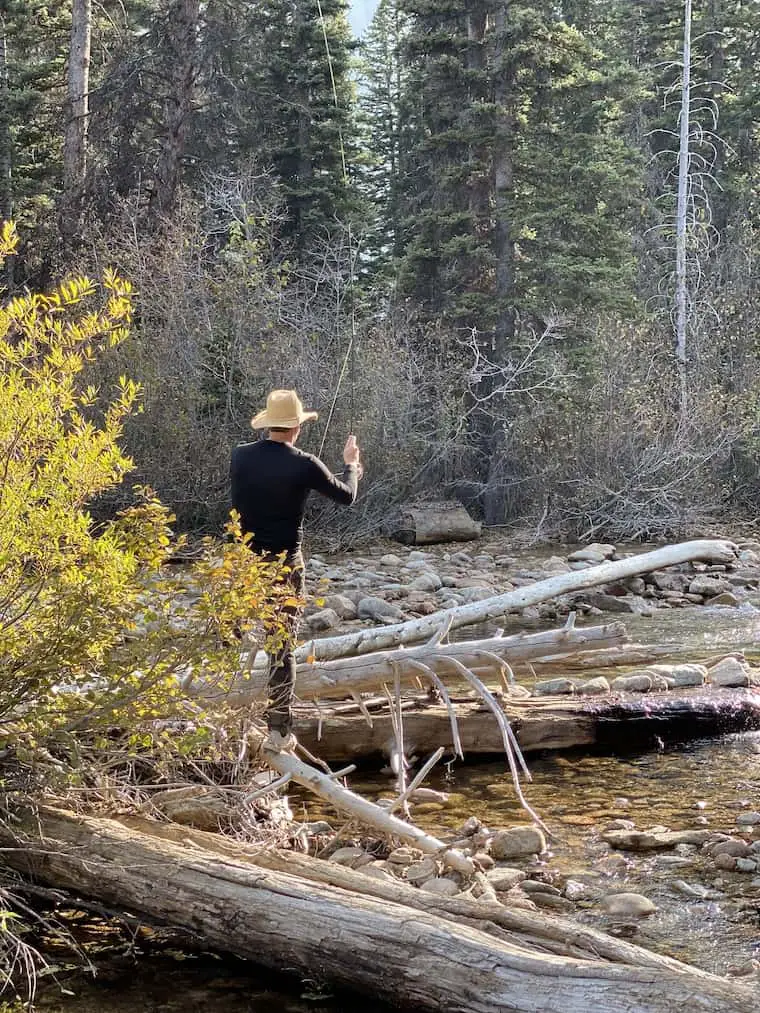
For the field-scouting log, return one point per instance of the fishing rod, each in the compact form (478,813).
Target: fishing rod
(350,357)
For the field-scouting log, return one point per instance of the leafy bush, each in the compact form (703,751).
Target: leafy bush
(95,629)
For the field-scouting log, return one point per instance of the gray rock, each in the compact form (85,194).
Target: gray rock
(350,857)
(342,605)
(379,610)
(517,842)
(575,890)
(648,840)
(420,872)
(709,586)
(441,886)
(632,684)
(390,559)
(594,687)
(628,905)
(325,619)
(428,581)
(532,886)
(733,847)
(610,602)
(746,865)
(726,598)
(681,675)
(505,878)
(749,819)
(729,672)
(727,862)
(555,687)
(597,552)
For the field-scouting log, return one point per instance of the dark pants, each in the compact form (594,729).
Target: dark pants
(282,663)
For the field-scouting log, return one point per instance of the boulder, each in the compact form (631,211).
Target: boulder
(324,619)
(632,684)
(628,905)
(379,610)
(555,687)
(342,605)
(680,675)
(729,672)
(595,553)
(517,842)
(594,687)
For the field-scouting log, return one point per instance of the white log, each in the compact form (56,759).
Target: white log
(382,637)
(345,676)
(384,948)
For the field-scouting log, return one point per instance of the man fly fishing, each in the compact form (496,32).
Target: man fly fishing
(270,481)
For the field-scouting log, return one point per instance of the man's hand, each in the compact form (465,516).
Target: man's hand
(351,454)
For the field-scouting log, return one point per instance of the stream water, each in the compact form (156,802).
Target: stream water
(678,786)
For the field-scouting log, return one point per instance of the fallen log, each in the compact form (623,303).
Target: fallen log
(548,723)
(427,523)
(418,959)
(378,638)
(366,673)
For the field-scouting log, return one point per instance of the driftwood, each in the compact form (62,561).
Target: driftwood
(379,638)
(428,523)
(548,723)
(366,673)
(364,934)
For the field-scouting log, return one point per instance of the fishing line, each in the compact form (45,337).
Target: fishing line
(350,356)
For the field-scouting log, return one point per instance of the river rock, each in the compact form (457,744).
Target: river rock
(203,811)
(555,687)
(746,865)
(729,672)
(517,842)
(531,886)
(350,856)
(342,605)
(377,870)
(505,878)
(428,582)
(420,872)
(733,847)
(647,840)
(595,553)
(575,891)
(628,905)
(324,619)
(632,684)
(609,602)
(441,885)
(379,610)
(709,586)
(680,675)
(749,819)
(726,598)
(404,855)
(390,559)
(727,862)
(594,687)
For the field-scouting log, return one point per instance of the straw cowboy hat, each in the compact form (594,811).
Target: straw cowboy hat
(283,411)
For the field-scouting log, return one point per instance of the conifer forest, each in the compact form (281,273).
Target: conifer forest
(512,245)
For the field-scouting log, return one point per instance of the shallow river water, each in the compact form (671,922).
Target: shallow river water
(677,785)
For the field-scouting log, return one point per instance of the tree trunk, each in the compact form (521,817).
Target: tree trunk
(380,946)
(183,47)
(75,136)
(491,608)
(684,158)
(429,523)
(556,723)
(346,676)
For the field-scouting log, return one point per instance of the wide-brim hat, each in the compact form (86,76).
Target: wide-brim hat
(283,411)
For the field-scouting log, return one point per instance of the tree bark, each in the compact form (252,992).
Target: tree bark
(539,724)
(346,676)
(409,956)
(491,608)
(75,136)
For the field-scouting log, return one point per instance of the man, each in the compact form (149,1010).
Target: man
(270,481)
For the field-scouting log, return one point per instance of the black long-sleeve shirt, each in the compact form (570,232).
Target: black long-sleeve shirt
(269,483)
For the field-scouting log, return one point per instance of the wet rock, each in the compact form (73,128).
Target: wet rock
(632,684)
(749,819)
(729,672)
(694,890)
(555,687)
(442,886)
(505,878)
(726,598)
(429,795)
(595,553)
(531,886)
(746,865)
(575,891)
(709,586)
(666,581)
(325,619)
(680,675)
(610,602)
(647,840)
(517,842)
(594,687)
(379,610)
(628,905)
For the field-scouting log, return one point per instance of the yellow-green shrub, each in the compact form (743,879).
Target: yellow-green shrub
(94,627)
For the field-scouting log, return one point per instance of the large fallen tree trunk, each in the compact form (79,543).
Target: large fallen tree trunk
(382,637)
(411,957)
(346,676)
(539,724)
